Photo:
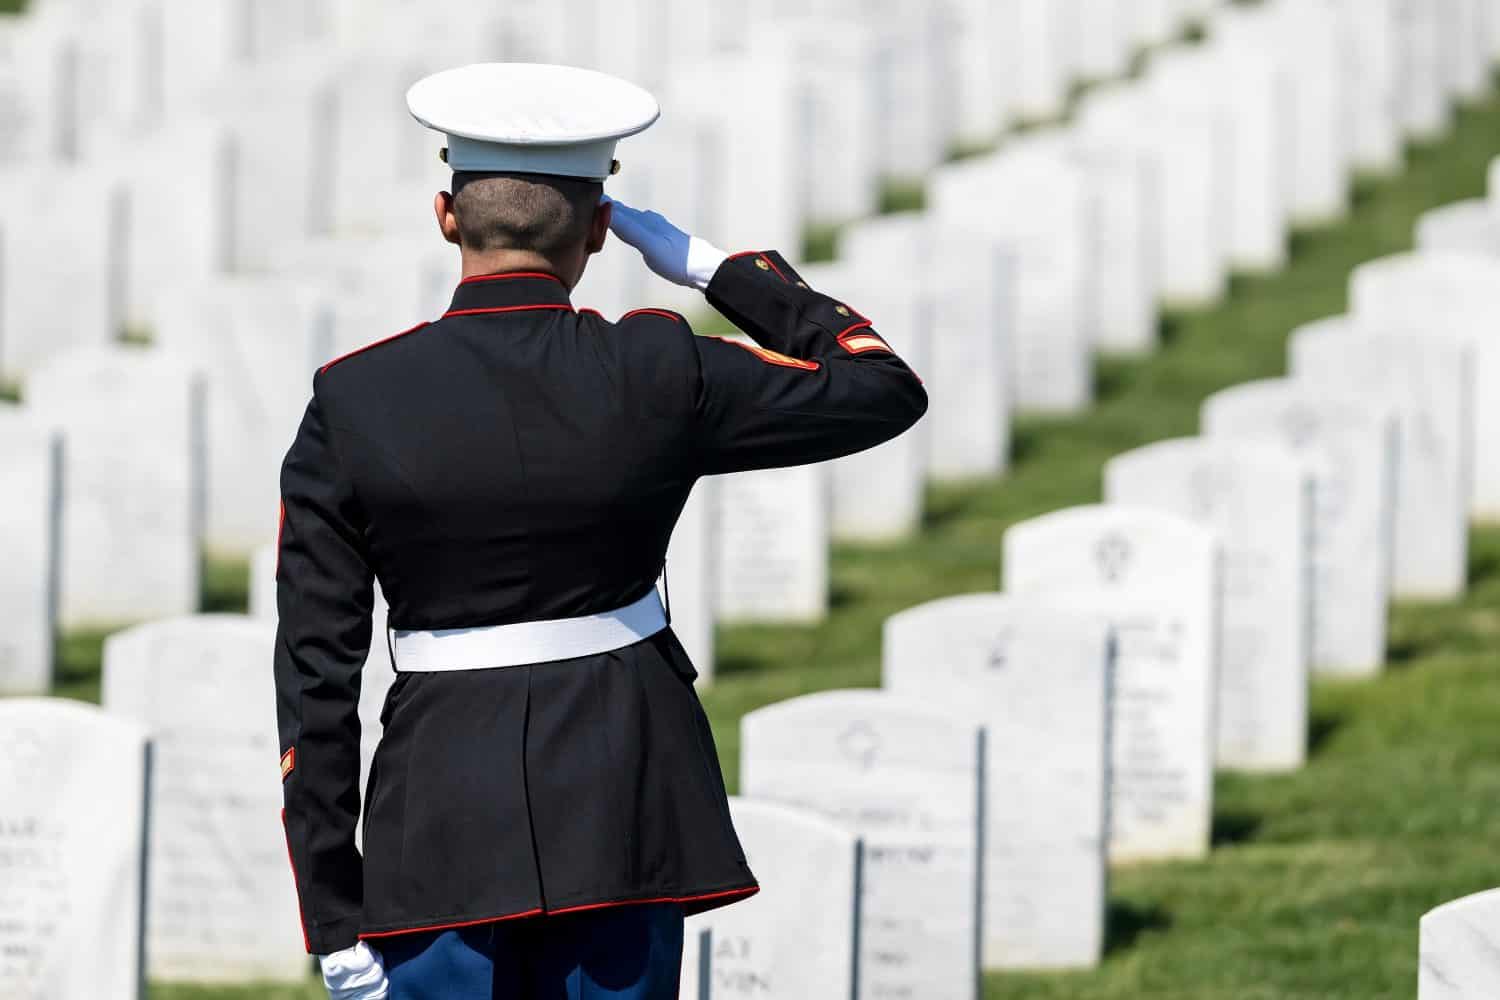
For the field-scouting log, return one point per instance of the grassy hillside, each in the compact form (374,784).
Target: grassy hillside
(1317,879)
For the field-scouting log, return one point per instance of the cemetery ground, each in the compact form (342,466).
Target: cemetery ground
(1317,879)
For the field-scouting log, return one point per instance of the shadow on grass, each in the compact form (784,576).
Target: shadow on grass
(1320,729)
(1484,565)
(1234,826)
(1125,922)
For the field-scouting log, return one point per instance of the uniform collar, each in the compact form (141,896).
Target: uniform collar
(509,291)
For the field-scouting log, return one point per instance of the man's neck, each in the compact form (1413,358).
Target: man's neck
(503,261)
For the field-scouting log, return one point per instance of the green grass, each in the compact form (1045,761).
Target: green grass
(1317,879)
(12,6)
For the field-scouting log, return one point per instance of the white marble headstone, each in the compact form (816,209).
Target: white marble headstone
(972,281)
(1252,95)
(1423,104)
(1257,498)
(691,578)
(58,291)
(258,342)
(73,811)
(1460,949)
(1155,577)
(222,903)
(878,494)
(1194,153)
(1428,382)
(757,200)
(1313,44)
(1038,678)
(907,780)
(1445,295)
(31,463)
(772,547)
(1374,69)
(775,945)
(1470,226)
(1036,202)
(168,248)
(1351,448)
(840,70)
(132,424)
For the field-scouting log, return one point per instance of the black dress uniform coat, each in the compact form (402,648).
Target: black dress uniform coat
(518,460)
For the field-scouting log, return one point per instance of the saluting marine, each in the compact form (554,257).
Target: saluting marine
(545,804)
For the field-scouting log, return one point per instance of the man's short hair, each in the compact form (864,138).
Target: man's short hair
(523,211)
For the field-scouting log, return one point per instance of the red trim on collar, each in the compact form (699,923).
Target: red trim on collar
(653,312)
(744,253)
(586,311)
(506,276)
(361,350)
(505,309)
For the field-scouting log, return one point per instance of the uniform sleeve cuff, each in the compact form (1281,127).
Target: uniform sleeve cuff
(333,936)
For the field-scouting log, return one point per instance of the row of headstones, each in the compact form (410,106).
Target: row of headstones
(235,107)
(1182,621)
(1458,940)
(1139,714)
(1059,245)
(173,449)
(114,473)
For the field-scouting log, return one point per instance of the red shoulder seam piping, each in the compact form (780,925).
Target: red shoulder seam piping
(361,350)
(474,279)
(744,253)
(653,312)
(585,311)
(504,309)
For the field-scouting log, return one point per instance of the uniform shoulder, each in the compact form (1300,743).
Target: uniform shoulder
(369,351)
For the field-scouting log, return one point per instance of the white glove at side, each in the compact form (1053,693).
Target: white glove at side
(355,974)
(680,258)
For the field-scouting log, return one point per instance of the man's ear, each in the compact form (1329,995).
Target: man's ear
(447,221)
(599,228)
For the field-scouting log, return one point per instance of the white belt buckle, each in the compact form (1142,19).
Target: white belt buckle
(523,643)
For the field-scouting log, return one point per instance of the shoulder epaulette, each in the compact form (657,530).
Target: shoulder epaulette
(663,313)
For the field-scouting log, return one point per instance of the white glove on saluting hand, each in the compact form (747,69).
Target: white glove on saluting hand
(355,974)
(681,259)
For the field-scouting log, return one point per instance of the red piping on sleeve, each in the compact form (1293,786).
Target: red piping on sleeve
(280,527)
(504,309)
(296,883)
(771,357)
(857,326)
(652,312)
(773,267)
(361,350)
(474,279)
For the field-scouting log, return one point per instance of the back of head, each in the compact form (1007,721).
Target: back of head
(529,212)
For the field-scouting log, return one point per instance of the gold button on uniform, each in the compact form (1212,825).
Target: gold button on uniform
(761,263)
(842,310)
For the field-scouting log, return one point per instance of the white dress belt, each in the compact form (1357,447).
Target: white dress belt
(523,643)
